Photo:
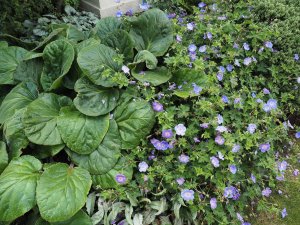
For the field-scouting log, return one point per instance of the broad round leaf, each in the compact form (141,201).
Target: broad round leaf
(155,77)
(17,187)
(3,156)
(58,58)
(40,119)
(62,191)
(18,98)
(152,31)
(80,218)
(108,180)
(99,63)
(93,100)
(147,58)
(106,26)
(10,58)
(105,157)
(135,120)
(14,134)
(81,133)
(45,151)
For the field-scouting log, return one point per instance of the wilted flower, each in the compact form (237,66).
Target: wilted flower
(180,129)
(264,147)
(121,178)
(240,218)
(237,62)
(180,181)
(207,35)
(253,178)
(143,166)
(125,69)
(266,192)
(215,161)
(213,203)
(167,133)
(184,158)
(157,106)
(187,194)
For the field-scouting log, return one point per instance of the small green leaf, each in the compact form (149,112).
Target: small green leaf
(81,133)
(62,191)
(17,187)
(155,77)
(3,156)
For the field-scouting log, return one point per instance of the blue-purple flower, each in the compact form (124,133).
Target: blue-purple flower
(207,35)
(229,68)
(266,192)
(121,178)
(213,203)
(296,172)
(219,140)
(220,155)
(284,213)
(201,5)
(183,158)
(202,49)
(246,46)
(180,129)
(237,63)
(231,192)
(167,133)
(221,129)
(192,48)
(215,161)
(282,166)
(232,169)
(225,99)
(159,145)
(235,148)
(266,91)
(251,128)
(269,44)
(296,57)
(264,147)
(143,166)
(247,61)
(196,89)
(220,76)
(272,103)
(119,13)
(180,181)
(157,106)
(187,194)
(237,100)
(220,119)
(144,6)
(253,178)
(190,26)
(178,38)
(297,135)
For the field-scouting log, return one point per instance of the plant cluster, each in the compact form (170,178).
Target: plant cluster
(184,131)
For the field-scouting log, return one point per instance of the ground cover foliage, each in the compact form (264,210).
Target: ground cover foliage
(150,119)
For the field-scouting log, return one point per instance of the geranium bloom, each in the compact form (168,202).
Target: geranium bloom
(180,181)
(143,166)
(192,48)
(231,192)
(187,194)
(236,148)
(251,128)
(121,178)
(202,49)
(266,192)
(253,178)
(125,69)
(269,44)
(247,61)
(229,67)
(180,129)
(201,5)
(225,99)
(284,213)
(220,119)
(159,145)
(297,135)
(167,133)
(264,147)
(184,158)
(219,140)
(282,166)
(233,169)
(157,106)
(215,161)
(272,103)
(204,125)
(246,46)
(221,129)
(213,203)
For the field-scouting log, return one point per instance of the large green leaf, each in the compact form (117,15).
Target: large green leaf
(18,186)
(152,31)
(147,58)
(70,32)
(14,134)
(105,157)
(81,133)
(40,119)
(58,58)
(62,191)
(121,41)
(135,120)
(93,100)
(10,58)
(108,180)
(3,156)
(99,63)
(18,98)
(107,25)
(155,77)
(45,151)
(80,218)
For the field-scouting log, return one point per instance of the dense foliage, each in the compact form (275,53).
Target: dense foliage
(146,120)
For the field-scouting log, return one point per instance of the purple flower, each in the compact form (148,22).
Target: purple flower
(272,103)
(219,140)
(201,5)
(207,35)
(247,61)
(246,46)
(190,26)
(215,161)
(282,166)
(204,125)
(180,129)
(221,129)
(266,91)
(125,69)
(259,100)
(284,213)
(192,48)
(236,148)
(184,158)
(121,178)
(240,218)
(266,108)
(171,15)
(196,140)
(157,106)
(296,172)
(280,177)
(253,178)
(264,147)
(261,50)
(253,95)
(196,89)
(236,46)
(233,169)
(159,145)
(269,44)
(237,62)
(187,194)
(213,203)
(143,166)
(144,6)
(297,135)
(225,99)
(280,192)
(229,67)
(180,181)
(266,192)
(237,100)
(167,133)
(129,12)
(202,49)
(246,223)
(222,17)
(222,69)
(117,1)
(178,38)
(251,128)
(296,57)
(220,76)
(119,13)
(220,119)
(231,192)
